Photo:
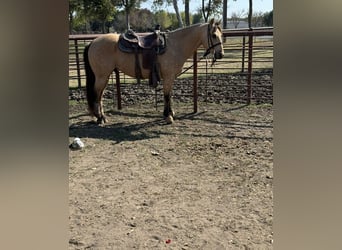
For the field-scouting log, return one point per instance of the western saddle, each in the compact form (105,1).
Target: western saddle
(150,45)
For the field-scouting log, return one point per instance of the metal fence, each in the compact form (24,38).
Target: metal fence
(243,75)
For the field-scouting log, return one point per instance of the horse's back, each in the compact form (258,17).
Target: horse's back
(101,52)
(105,42)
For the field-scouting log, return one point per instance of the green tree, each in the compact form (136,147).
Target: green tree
(142,20)
(210,8)
(268,18)
(174,3)
(174,21)
(163,18)
(178,15)
(105,13)
(187,12)
(119,23)
(197,17)
(257,19)
(129,5)
(75,7)
(100,11)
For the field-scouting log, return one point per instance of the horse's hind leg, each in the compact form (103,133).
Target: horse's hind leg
(168,112)
(100,85)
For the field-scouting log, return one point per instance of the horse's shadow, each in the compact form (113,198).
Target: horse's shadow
(141,129)
(118,132)
(230,124)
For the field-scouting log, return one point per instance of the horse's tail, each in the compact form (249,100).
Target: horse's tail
(90,81)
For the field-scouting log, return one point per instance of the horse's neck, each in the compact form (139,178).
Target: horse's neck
(187,40)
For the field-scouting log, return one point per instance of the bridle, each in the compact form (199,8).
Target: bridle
(211,43)
(207,52)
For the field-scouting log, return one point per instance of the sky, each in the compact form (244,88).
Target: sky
(233,6)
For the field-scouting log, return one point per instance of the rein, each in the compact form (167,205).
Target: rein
(207,52)
(203,56)
(211,47)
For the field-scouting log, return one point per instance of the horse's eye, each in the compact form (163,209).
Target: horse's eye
(214,36)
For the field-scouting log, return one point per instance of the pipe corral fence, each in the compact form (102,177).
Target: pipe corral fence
(244,75)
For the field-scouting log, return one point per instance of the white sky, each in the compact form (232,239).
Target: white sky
(233,6)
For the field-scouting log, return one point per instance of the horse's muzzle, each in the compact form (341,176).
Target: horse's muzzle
(218,55)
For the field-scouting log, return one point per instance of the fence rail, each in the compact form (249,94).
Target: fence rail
(248,56)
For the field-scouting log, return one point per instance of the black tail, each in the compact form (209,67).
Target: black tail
(90,81)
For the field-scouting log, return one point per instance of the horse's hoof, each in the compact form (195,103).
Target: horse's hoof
(104,119)
(169,119)
(101,120)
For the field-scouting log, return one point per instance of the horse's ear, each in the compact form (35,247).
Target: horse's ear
(212,21)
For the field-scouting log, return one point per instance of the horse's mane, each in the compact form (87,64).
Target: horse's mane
(185,29)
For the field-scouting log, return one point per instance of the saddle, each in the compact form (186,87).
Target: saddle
(150,45)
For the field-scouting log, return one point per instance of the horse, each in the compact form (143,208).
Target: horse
(102,56)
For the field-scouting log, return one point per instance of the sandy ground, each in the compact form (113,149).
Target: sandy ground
(204,182)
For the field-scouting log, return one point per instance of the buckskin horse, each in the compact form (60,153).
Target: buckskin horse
(103,55)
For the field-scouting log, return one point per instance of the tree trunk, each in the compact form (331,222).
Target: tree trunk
(71,22)
(250,13)
(187,12)
(225,6)
(103,27)
(128,25)
(206,11)
(125,3)
(179,18)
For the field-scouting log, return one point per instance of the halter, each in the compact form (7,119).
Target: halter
(211,46)
(210,43)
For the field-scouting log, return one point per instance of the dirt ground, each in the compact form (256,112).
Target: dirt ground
(204,182)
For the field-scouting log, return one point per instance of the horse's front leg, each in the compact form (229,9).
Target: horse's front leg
(168,112)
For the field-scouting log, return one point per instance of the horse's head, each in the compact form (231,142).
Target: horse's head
(214,42)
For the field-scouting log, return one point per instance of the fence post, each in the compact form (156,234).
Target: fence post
(118,89)
(250,61)
(77,64)
(195,89)
(243,54)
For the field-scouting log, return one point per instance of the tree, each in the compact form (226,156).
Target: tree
(163,18)
(97,13)
(211,8)
(268,18)
(105,13)
(197,17)
(250,13)
(179,18)
(206,9)
(224,13)
(79,19)
(74,8)
(142,20)
(257,19)
(175,6)
(236,17)
(128,7)
(119,23)
(187,12)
